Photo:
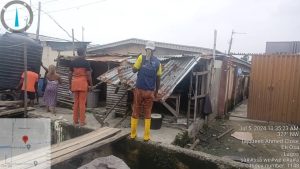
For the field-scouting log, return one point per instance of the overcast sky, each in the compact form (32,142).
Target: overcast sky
(187,22)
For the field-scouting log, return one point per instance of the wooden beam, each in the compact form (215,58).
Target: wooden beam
(198,97)
(113,139)
(15,111)
(223,134)
(170,108)
(196,100)
(200,73)
(73,147)
(10,103)
(195,144)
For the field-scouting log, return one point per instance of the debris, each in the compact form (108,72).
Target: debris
(203,140)
(124,118)
(182,139)
(10,103)
(243,136)
(194,144)
(109,162)
(223,134)
(14,111)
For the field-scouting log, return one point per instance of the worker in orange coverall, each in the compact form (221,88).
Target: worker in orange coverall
(80,82)
(147,85)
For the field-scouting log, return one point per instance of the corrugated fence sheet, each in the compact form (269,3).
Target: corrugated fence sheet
(275,88)
(173,73)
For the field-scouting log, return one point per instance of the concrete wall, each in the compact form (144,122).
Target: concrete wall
(135,49)
(50,55)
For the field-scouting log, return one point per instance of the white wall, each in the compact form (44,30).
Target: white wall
(50,55)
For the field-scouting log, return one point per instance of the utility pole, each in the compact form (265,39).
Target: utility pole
(38,25)
(230,42)
(213,60)
(25,80)
(229,66)
(73,42)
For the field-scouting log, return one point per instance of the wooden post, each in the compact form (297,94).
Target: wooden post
(227,85)
(73,42)
(82,33)
(25,80)
(38,25)
(189,100)
(196,98)
(213,61)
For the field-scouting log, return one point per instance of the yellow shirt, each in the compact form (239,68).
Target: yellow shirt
(138,65)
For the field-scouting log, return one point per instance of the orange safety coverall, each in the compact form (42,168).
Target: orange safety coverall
(79,87)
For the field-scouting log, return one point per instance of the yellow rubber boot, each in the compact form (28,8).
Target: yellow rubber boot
(147,130)
(134,123)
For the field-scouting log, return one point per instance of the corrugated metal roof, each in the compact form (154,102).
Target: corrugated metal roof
(157,44)
(44,38)
(173,73)
(66,46)
(108,59)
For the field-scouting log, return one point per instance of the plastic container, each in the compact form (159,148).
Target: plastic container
(93,99)
(156,121)
(12,58)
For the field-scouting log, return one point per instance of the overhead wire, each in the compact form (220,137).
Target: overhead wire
(65,9)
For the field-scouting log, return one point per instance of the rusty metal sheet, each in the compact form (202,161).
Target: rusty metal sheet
(275,88)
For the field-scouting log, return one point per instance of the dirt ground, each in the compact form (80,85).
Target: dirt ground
(260,154)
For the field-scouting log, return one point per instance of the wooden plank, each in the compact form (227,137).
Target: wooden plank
(198,97)
(14,111)
(37,154)
(65,149)
(106,134)
(10,103)
(79,139)
(62,156)
(200,73)
(223,134)
(173,111)
(113,139)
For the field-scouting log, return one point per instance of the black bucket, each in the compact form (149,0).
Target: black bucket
(156,121)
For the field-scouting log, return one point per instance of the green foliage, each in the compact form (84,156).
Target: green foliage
(182,139)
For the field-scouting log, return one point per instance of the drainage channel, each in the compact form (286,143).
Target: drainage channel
(140,155)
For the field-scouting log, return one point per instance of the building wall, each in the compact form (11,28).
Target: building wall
(136,49)
(49,56)
(231,88)
(282,47)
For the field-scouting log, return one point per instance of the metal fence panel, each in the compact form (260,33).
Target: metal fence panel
(274,88)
